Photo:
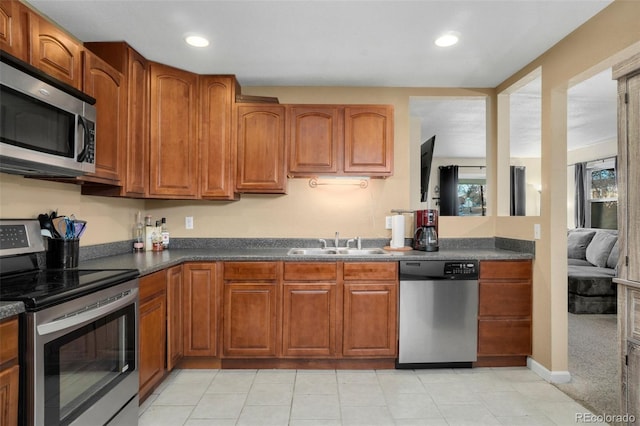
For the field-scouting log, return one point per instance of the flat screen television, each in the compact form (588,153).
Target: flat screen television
(426,156)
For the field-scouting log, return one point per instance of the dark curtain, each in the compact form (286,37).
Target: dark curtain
(518,191)
(580,197)
(449,191)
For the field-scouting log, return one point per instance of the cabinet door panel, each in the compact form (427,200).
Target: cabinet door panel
(54,51)
(200,309)
(632,202)
(309,320)
(175,316)
(250,320)
(13,23)
(261,149)
(506,269)
(504,337)
(370,320)
(315,137)
(108,87)
(505,299)
(152,335)
(9,387)
(368,140)
(173,167)
(216,147)
(137,146)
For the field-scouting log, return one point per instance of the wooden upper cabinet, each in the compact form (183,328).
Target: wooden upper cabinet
(108,87)
(368,140)
(261,149)
(340,140)
(316,135)
(136,147)
(13,26)
(173,151)
(54,51)
(217,155)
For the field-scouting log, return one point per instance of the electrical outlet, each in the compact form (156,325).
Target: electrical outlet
(536,231)
(188,222)
(387,222)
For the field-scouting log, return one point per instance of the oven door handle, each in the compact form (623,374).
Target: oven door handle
(89,315)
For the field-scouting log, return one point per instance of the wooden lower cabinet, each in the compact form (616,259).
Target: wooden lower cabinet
(201,309)
(504,313)
(309,310)
(251,315)
(9,372)
(152,331)
(370,310)
(175,316)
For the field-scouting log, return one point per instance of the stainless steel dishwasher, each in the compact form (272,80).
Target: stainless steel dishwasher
(438,314)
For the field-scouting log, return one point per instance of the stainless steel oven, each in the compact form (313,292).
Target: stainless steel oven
(78,337)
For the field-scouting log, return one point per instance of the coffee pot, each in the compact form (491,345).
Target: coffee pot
(426,235)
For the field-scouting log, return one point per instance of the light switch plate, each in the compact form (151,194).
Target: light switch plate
(188,222)
(536,231)
(387,222)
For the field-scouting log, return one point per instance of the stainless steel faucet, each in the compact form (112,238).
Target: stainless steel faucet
(337,239)
(324,243)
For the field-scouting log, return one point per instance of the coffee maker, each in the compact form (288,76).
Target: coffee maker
(426,235)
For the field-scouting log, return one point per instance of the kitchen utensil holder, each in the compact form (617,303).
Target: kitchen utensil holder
(63,253)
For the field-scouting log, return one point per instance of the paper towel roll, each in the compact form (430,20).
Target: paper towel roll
(397,231)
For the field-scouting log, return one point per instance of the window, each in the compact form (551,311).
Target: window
(602,193)
(471,197)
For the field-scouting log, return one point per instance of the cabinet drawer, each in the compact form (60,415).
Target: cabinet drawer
(504,337)
(505,269)
(377,271)
(250,270)
(9,339)
(505,299)
(152,284)
(310,271)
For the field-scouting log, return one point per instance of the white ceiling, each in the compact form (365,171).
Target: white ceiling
(460,127)
(381,43)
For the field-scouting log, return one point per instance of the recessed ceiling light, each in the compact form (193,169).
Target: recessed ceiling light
(447,39)
(197,41)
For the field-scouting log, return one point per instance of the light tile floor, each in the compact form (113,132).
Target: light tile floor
(479,396)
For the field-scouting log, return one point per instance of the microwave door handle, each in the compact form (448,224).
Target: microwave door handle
(87,316)
(85,148)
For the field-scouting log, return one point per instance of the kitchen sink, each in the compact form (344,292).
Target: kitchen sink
(336,251)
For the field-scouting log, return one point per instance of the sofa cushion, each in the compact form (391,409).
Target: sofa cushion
(599,248)
(612,260)
(577,242)
(579,262)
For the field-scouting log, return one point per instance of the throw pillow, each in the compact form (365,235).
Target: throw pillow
(577,242)
(612,260)
(599,248)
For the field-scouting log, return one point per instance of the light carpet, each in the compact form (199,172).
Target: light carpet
(593,363)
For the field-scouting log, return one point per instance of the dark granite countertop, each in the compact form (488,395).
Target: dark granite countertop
(149,262)
(9,309)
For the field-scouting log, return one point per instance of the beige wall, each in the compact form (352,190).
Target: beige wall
(610,36)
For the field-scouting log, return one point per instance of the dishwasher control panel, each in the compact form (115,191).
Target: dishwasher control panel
(461,269)
(418,270)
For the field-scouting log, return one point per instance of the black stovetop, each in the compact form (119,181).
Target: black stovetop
(42,288)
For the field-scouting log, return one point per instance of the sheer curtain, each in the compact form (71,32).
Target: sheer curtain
(449,191)
(580,198)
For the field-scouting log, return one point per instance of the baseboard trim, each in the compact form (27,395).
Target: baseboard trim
(546,374)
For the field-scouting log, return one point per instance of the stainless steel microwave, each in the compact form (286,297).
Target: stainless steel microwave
(45,130)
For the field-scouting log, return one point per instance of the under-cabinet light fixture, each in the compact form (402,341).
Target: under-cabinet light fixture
(362,182)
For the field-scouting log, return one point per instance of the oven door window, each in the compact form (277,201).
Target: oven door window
(32,124)
(82,366)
